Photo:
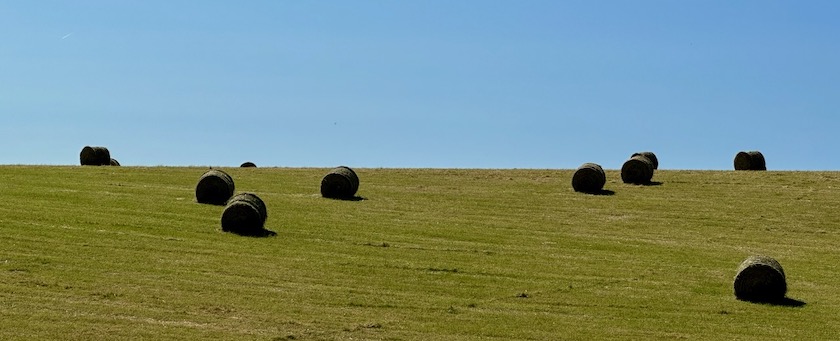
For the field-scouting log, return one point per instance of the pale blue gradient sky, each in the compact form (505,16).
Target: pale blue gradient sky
(432,83)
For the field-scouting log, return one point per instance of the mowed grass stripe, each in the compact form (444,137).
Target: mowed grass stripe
(126,253)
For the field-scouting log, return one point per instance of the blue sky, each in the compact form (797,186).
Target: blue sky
(432,83)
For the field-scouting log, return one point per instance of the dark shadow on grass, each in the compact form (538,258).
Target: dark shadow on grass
(650,183)
(600,192)
(353,198)
(212,204)
(784,302)
(262,233)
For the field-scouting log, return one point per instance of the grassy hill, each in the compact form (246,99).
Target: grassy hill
(91,253)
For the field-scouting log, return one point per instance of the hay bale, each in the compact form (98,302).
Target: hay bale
(760,279)
(114,162)
(751,160)
(340,183)
(253,199)
(637,170)
(244,214)
(248,164)
(651,156)
(589,178)
(214,187)
(95,156)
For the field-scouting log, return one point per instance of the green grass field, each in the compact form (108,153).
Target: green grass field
(92,253)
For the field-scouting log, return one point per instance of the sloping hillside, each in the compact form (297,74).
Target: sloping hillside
(93,253)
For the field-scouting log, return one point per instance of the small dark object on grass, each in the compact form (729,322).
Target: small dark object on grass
(340,183)
(751,160)
(114,162)
(248,164)
(214,187)
(637,170)
(760,279)
(95,156)
(245,214)
(651,156)
(589,178)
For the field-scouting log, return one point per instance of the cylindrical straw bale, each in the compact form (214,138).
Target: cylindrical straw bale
(214,187)
(340,183)
(255,200)
(114,162)
(651,156)
(245,214)
(760,279)
(95,156)
(751,160)
(248,164)
(589,178)
(637,170)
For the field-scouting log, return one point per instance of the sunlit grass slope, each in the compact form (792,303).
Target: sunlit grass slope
(91,253)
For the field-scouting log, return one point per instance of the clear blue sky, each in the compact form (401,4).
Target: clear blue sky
(431,83)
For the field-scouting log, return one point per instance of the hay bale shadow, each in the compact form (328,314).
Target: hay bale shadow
(261,233)
(783,302)
(649,183)
(600,192)
(353,198)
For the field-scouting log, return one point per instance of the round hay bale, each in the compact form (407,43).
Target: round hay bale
(637,170)
(248,164)
(751,160)
(95,156)
(589,178)
(114,162)
(253,199)
(214,187)
(340,183)
(244,214)
(651,156)
(760,279)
